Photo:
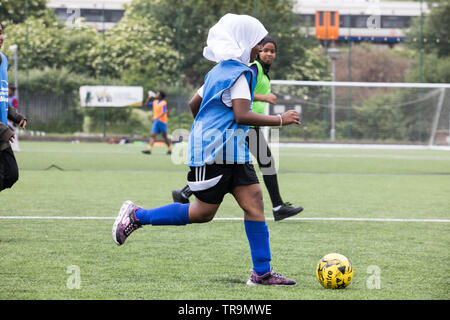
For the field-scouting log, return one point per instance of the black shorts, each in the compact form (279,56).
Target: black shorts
(9,172)
(212,182)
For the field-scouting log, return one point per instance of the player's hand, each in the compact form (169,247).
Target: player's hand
(271,98)
(290,117)
(23,123)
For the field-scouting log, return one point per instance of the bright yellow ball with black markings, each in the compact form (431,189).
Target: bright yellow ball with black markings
(334,271)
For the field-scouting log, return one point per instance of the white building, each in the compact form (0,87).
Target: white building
(92,11)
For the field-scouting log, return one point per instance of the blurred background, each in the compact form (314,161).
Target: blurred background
(55,46)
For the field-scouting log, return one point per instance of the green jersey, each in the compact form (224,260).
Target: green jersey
(262,87)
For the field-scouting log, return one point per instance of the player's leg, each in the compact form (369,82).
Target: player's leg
(260,149)
(132,217)
(249,198)
(151,142)
(155,130)
(200,212)
(210,185)
(167,141)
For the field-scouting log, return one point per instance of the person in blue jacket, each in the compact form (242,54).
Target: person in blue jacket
(9,171)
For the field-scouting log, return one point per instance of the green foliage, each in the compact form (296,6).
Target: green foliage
(435,44)
(137,50)
(435,69)
(50,44)
(14,11)
(56,81)
(197,16)
(42,46)
(70,121)
(80,49)
(435,32)
(43,84)
(376,119)
(309,66)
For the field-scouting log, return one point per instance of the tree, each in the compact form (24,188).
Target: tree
(49,43)
(435,33)
(196,17)
(138,51)
(435,44)
(41,43)
(13,11)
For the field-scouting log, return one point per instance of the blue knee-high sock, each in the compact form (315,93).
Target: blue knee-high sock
(174,214)
(258,238)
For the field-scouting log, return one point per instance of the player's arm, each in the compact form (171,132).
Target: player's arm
(195,104)
(147,101)
(243,115)
(16,117)
(241,100)
(270,98)
(6,136)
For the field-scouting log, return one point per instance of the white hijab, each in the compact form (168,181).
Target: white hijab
(233,37)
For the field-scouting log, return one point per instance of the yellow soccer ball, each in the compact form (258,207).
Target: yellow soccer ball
(334,271)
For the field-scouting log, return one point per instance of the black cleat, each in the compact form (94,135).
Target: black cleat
(286,210)
(177,196)
(146,151)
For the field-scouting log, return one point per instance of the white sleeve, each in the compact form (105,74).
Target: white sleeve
(200,91)
(240,89)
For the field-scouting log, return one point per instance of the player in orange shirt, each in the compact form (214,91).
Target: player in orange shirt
(159,120)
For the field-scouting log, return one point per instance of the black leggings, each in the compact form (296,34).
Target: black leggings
(259,148)
(9,172)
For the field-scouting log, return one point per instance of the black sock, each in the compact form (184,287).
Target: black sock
(186,192)
(271,183)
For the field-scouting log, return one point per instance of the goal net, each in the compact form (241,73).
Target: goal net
(364,112)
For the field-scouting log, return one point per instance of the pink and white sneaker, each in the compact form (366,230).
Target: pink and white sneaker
(270,278)
(126,222)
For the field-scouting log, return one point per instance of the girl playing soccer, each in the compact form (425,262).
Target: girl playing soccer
(218,156)
(258,145)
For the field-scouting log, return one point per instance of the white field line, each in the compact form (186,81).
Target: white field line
(130,149)
(366,156)
(358,146)
(237,219)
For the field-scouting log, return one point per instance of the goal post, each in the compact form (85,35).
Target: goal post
(365,112)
